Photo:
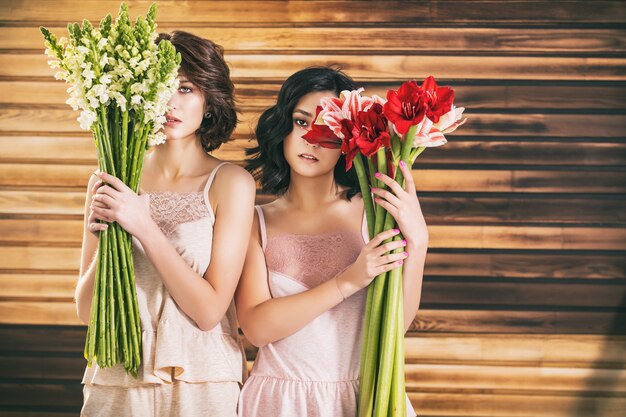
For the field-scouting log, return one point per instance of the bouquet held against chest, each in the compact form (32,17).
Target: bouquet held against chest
(121,82)
(376,135)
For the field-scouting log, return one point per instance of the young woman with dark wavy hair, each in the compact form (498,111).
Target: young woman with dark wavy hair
(190,224)
(301,297)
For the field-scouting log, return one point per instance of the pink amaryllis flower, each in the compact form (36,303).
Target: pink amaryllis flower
(345,107)
(429,134)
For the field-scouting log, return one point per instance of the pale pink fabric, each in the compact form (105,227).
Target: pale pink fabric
(315,371)
(174,348)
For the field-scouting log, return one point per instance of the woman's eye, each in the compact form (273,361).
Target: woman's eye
(184,89)
(301,123)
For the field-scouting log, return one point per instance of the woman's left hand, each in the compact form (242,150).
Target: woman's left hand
(403,205)
(116,202)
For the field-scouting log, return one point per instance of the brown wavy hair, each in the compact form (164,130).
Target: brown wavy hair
(202,62)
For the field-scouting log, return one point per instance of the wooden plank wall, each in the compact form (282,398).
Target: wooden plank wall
(524,300)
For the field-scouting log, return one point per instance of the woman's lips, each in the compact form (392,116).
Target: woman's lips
(171,120)
(308,157)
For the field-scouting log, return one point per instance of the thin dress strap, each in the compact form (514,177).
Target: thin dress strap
(262,227)
(207,186)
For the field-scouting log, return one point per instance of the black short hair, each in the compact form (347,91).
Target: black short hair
(266,162)
(204,66)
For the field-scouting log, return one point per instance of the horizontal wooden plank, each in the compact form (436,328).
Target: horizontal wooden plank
(257,95)
(57,121)
(37,259)
(39,413)
(382,67)
(483,404)
(38,395)
(438,210)
(517,209)
(37,367)
(531,379)
(427,320)
(564,351)
(70,232)
(81,150)
(322,12)
(529,294)
(35,340)
(475,263)
(373,39)
(589,154)
(38,312)
(536,322)
(578,351)
(43,286)
(479,293)
(526,265)
(439,180)
(42,203)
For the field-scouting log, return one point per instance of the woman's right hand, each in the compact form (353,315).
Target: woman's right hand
(95,226)
(373,260)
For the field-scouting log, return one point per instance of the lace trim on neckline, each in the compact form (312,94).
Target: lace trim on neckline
(169,209)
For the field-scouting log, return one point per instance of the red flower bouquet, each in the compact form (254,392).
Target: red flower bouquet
(380,133)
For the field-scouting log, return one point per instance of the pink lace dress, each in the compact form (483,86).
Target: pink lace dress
(315,371)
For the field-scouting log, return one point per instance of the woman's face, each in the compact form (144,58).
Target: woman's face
(186,110)
(304,158)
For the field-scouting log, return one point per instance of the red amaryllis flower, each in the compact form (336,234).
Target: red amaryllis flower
(370,130)
(437,100)
(405,107)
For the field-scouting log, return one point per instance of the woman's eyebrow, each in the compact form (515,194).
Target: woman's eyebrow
(304,112)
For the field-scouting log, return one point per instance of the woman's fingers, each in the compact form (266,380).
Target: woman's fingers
(113,181)
(390,197)
(104,214)
(389,267)
(104,199)
(381,237)
(393,258)
(388,247)
(391,183)
(393,210)
(97,227)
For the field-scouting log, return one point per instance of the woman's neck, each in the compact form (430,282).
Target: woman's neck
(178,158)
(311,193)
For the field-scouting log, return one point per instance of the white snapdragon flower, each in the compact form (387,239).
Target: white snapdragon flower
(86,119)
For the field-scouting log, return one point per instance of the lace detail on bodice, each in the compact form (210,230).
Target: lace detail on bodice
(312,259)
(169,209)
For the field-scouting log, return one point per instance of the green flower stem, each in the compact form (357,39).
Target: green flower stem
(93,316)
(366,194)
(372,169)
(381,160)
(124,146)
(373,316)
(129,284)
(388,340)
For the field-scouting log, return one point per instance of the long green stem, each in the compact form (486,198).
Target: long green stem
(366,194)
(388,341)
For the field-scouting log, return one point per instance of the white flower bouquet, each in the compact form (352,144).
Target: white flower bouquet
(121,81)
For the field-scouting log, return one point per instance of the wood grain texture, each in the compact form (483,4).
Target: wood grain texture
(523,311)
